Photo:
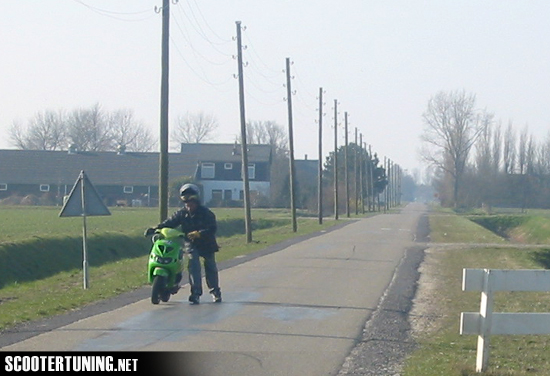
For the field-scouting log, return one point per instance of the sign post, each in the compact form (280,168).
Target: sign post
(84,201)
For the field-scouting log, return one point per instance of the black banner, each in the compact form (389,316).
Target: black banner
(155,363)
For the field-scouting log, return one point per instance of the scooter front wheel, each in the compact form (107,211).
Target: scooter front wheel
(159,285)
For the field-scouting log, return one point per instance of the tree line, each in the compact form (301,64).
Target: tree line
(85,129)
(478,161)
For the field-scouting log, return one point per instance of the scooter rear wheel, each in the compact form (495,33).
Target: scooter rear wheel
(159,285)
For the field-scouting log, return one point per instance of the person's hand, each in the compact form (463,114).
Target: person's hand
(150,231)
(194,235)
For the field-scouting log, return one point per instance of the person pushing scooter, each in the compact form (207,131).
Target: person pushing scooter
(199,223)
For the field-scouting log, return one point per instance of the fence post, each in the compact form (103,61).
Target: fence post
(486,312)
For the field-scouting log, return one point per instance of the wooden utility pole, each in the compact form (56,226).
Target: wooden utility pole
(356,177)
(346,173)
(361,177)
(386,191)
(336,159)
(291,146)
(244,146)
(320,174)
(163,155)
(371,176)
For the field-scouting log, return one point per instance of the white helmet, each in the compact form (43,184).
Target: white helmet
(189,192)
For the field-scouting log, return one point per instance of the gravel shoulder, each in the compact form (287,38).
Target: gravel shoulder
(388,336)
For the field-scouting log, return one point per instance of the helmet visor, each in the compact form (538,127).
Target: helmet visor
(189,197)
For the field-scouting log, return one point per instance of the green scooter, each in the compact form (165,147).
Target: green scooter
(166,263)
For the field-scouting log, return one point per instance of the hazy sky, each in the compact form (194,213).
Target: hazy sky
(382,61)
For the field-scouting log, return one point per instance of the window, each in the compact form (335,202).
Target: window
(216,195)
(3,187)
(227,195)
(251,171)
(208,170)
(44,187)
(228,166)
(128,189)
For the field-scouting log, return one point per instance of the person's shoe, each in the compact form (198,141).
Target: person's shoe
(216,295)
(194,299)
(175,289)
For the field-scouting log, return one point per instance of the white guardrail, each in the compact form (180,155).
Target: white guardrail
(486,322)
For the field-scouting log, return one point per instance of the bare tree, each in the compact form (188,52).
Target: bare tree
(497,148)
(17,136)
(452,126)
(268,133)
(522,150)
(88,129)
(128,133)
(544,156)
(45,131)
(194,128)
(509,151)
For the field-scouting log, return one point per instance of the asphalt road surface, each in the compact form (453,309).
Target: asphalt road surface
(299,311)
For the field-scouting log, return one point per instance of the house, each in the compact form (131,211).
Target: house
(129,178)
(219,169)
(120,177)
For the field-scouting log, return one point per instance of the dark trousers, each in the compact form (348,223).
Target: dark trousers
(210,272)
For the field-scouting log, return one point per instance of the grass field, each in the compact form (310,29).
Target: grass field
(436,314)
(62,291)
(22,222)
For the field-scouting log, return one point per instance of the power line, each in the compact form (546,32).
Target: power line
(196,51)
(202,77)
(115,15)
(198,29)
(222,40)
(253,50)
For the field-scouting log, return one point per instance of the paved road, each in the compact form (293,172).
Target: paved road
(298,311)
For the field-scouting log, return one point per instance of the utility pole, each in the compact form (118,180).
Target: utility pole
(346,173)
(291,145)
(336,159)
(361,178)
(386,191)
(163,155)
(320,176)
(244,146)
(368,179)
(356,177)
(371,176)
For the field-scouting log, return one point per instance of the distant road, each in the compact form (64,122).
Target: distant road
(298,311)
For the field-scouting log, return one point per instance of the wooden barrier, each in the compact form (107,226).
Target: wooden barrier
(485,322)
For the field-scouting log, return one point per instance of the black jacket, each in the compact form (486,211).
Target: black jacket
(203,220)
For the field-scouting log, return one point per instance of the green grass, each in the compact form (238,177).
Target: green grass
(442,351)
(535,230)
(450,228)
(23,222)
(62,291)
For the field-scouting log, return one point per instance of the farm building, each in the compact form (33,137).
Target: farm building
(129,178)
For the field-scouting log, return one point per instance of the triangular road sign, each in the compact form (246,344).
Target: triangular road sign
(92,204)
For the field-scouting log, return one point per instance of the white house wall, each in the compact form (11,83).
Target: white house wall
(235,186)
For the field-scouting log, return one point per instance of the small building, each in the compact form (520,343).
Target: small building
(219,171)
